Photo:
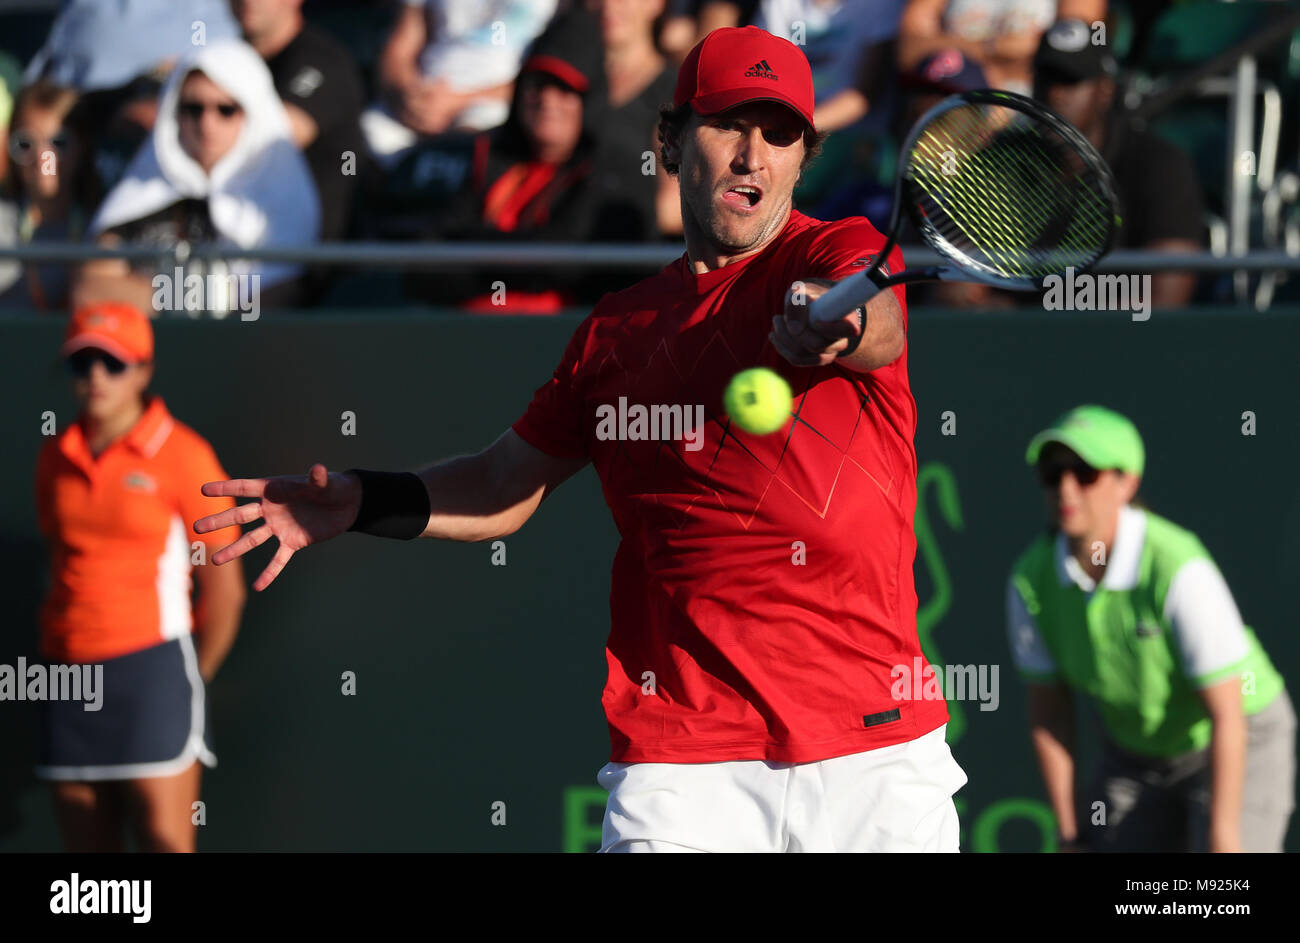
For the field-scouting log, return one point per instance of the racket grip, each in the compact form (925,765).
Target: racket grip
(848,294)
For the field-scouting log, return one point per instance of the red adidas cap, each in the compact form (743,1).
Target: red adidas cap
(734,65)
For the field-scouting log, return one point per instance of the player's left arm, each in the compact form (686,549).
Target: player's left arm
(880,322)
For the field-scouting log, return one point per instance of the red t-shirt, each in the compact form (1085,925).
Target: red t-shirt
(766,581)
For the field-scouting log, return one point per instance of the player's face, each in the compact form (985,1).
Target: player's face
(1082,501)
(622,21)
(210,120)
(737,172)
(104,387)
(551,114)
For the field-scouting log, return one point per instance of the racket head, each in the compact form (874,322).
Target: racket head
(1006,190)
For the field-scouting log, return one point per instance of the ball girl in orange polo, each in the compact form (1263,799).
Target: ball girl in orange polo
(115,492)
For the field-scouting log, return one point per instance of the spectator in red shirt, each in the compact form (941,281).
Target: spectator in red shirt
(537,178)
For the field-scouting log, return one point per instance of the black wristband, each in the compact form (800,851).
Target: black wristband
(393,504)
(878,276)
(862,332)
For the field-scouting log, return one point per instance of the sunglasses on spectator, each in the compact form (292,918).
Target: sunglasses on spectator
(1051,473)
(25,146)
(83,362)
(194,110)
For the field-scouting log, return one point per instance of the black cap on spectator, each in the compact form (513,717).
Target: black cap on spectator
(1066,54)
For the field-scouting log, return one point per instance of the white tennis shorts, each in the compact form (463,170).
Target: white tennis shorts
(895,798)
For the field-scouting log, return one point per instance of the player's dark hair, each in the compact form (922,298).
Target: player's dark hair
(673,120)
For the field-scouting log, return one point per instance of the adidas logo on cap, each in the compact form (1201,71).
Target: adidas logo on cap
(761,70)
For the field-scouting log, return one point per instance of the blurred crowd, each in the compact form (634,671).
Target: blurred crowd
(256,123)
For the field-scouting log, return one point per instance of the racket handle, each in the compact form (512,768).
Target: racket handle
(848,294)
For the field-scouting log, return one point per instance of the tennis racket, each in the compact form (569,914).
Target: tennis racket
(1004,189)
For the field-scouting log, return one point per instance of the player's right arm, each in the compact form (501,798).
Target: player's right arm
(471,497)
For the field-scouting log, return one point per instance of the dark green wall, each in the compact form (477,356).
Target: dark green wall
(481,683)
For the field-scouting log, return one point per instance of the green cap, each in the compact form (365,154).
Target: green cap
(1100,436)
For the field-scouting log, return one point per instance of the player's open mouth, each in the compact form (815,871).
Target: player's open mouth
(743,197)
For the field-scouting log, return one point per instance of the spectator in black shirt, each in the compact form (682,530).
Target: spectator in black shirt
(320,86)
(1159,193)
(640,80)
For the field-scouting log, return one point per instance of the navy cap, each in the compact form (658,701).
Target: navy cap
(945,72)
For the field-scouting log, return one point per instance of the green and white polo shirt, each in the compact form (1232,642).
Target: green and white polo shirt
(1161,626)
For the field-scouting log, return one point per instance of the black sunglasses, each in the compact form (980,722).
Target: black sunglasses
(194,110)
(1051,473)
(83,361)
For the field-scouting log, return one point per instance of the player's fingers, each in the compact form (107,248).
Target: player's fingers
(787,348)
(789,345)
(273,568)
(816,342)
(844,327)
(813,341)
(235,488)
(236,515)
(241,546)
(289,488)
(318,476)
(783,337)
(803,293)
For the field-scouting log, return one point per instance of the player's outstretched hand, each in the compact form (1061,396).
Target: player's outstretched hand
(794,336)
(297,510)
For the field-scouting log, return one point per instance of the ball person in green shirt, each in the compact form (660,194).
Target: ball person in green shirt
(1115,602)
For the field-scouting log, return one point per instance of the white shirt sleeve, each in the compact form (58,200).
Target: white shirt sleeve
(1027,646)
(1204,619)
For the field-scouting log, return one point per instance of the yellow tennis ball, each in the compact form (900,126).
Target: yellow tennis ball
(758,400)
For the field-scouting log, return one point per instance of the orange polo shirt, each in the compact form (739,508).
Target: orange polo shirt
(121,537)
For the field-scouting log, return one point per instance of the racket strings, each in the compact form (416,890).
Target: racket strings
(1001,212)
(979,198)
(1006,194)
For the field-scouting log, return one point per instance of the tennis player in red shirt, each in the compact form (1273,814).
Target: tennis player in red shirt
(762,595)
